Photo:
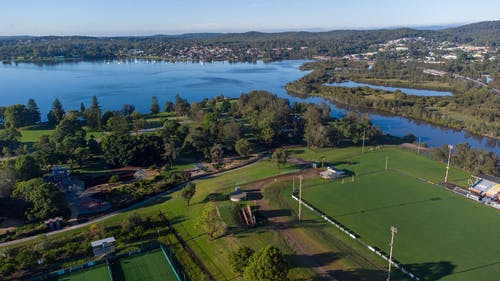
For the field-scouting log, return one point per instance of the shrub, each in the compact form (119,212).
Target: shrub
(114,179)
(240,258)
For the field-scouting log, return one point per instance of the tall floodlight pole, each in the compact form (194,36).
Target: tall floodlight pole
(394,230)
(418,150)
(448,165)
(386,162)
(293,185)
(300,197)
(363,147)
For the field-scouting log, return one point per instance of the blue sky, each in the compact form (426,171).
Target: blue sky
(146,17)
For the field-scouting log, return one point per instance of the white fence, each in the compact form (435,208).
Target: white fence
(354,236)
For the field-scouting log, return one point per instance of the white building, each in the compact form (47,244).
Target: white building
(103,247)
(332,173)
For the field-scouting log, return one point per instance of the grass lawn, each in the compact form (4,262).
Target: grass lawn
(150,266)
(99,272)
(407,162)
(215,254)
(30,137)
(354,261)
(441,236)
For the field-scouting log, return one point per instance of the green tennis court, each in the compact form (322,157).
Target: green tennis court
(150,266)
(99,272)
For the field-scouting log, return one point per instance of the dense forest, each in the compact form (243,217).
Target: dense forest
(247,46)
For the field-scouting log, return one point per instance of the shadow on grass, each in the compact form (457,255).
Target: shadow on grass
(477,267)
(424,271)
(157,201)
(389,207)
(431,270)
(214,197)
(356,275)
(117,271)
(296,151)
(275,213)
(315,260)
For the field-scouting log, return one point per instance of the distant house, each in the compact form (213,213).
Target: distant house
(140,174)
(486,186)
(103,247)
(54,223)
(332,173)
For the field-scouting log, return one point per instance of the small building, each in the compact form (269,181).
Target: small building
(238,195)
(332,173)
(140,174)
(103,247)
(486,186)
(54,223)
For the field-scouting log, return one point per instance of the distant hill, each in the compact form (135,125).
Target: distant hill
(274,46)
(486,32)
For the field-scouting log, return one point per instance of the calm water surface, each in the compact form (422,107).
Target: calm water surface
(135,82)
(408,91)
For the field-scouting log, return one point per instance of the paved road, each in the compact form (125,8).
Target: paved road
(135,206)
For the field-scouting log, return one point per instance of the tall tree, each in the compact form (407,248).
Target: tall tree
(118,125)
(155,106)
(9,140)
(188,192)
(56,114)
(43,198)
(211,222)
(82,108)
(27,168)
(34,110)
(268,264)
(170,151)
(168,107)
(216,153)
(243,147)
(128,109)
(93,115)
(118,149)
(240,258)
(138,121)
(279,156)
(17,116)
(8,176)
(68,136)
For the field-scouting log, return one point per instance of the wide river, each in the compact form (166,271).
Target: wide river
(135,82)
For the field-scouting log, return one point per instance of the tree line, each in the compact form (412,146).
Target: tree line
(248,46)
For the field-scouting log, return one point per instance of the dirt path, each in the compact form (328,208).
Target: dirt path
(307,250)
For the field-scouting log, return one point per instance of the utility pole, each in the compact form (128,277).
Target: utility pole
(300,197)
(418,150)
(394,230)
(386,162)
(448,165)
(363,147)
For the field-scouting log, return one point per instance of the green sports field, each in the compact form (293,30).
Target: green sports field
(441,235)
(150,266)
(99,272)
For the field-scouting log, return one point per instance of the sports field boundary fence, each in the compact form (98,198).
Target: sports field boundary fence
(145,248)
(354,236)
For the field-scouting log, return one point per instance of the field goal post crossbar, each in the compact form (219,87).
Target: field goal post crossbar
(109,270)
(170,262)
